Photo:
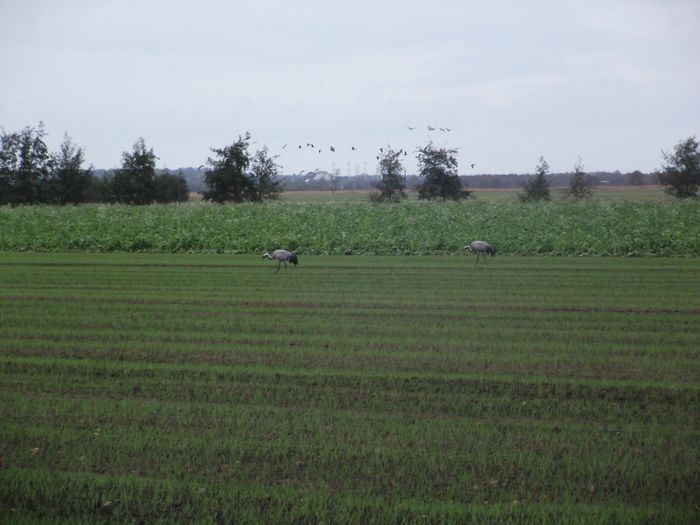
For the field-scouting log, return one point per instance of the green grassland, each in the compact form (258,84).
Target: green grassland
(624,228)
(208,388)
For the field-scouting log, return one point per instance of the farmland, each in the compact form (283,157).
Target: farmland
(503,195)
(624,228)
(161,387)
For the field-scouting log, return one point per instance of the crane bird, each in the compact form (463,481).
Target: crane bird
(283,256)
(480,248)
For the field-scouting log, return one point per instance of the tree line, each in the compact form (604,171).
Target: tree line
(680,173)
(31,174)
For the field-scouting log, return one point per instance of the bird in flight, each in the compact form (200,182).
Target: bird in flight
(430,128)
(299,146)
(353,148)
(284,146)
(332,149)
(410,128)
(473,166)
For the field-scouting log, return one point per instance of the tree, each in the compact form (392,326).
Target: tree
(636,178)
(537,187)
(439,168)
(391,186)
(68,182)
(265,172)
(171,188)
(580,186)
(227,179)
(681,172)
(99,189)
(135,182)
(24,166)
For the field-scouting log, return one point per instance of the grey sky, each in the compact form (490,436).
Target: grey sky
(614,81)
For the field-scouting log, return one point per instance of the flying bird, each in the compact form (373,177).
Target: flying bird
(431,128)
(353,148)
(410,128)
(473,166)
(284,146)
(332,149)
(283,256)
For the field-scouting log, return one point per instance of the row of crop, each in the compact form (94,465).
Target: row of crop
(614,229)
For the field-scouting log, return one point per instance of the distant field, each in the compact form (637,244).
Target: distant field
(600,194)
(205,388)
(622,228)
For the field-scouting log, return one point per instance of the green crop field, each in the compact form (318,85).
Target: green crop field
(147,388)
(670,229)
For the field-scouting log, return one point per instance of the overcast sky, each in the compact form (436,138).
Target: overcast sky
(614,81)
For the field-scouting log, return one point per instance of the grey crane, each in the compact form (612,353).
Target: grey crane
(480,248)
(283,256)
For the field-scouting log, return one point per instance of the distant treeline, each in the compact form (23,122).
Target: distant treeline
(31,174)
(324,181)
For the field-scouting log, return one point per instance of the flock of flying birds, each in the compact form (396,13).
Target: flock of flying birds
(353,148)
(311,145)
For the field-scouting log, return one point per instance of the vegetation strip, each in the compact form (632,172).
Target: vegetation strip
(552,228)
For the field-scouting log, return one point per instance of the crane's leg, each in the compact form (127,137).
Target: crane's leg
(278,266)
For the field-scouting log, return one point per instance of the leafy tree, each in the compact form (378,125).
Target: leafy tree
(391,185)
(537,187)
(227,179)
(636,178)
(68,182)
(99,189)
(135,182)
(265,172)
(439,168)
(24,166)
(580,186)
(171,188)
(681,172)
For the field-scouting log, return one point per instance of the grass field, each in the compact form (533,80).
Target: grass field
(204,388)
